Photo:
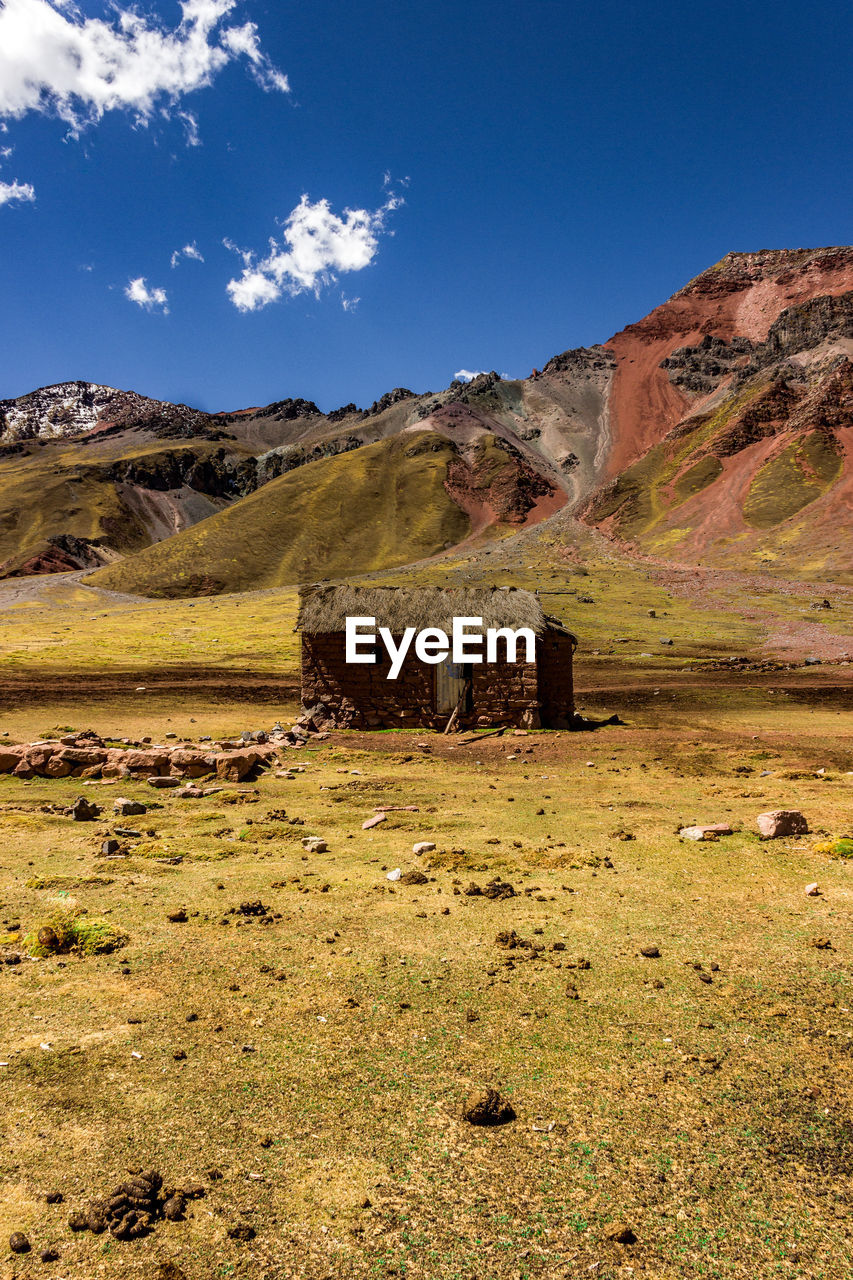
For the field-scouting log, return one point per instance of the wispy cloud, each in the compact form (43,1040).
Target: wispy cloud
(16,192)
(190,251)
(154,299)
(56,61)
(316,245)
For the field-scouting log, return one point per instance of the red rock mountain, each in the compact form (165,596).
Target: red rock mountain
(719,429)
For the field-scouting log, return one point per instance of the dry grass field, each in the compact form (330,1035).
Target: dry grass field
(306,1068)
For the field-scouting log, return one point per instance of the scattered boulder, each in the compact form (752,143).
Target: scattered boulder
(487,1107)
(314,844)
(82,811)
(128,808)
(782,822)
(158,780)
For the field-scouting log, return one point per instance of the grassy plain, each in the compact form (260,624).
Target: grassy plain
(328,1054)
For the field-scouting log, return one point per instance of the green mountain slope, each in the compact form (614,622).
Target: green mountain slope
(382,506)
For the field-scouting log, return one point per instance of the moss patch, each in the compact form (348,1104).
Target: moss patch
(792,479)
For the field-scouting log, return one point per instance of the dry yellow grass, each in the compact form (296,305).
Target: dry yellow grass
(333,1048)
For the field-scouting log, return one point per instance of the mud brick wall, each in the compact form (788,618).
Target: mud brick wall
(360,696)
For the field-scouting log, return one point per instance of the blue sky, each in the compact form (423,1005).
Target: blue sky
(523,177)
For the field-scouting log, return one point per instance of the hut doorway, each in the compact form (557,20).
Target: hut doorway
(452,685)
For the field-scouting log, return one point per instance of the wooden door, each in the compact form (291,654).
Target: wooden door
(449,684)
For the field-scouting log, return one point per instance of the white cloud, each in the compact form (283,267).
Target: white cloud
(190,251)
(349,304)
(316,245)
(466,375)
(54,60)
(10,192)
(151,299)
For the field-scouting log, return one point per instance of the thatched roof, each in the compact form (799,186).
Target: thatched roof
(325,609)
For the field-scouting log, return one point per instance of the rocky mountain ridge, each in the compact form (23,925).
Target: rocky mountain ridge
(701,431)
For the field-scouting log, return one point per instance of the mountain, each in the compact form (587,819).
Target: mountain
(731,418)
(717,430)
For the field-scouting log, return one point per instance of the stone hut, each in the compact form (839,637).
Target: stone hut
(360,696)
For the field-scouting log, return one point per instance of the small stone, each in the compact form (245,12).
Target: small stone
(157,781)
(651,952)
(423,846)
(369,823)
(109,848)
(128,808)
(19,1243)
(812,890)
(487,1107)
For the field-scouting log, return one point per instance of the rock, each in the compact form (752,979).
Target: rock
(487,1107)
(782,822)
(667,640)
(650,952)
(109,848)
(394,875)
(19,1243)
(374,821)
(9,760)
(177,917)
(314,844)
(706,833)
(621,1233)
(82,811)
(158,781)
(192,764)
(423,846)
(128,808)
(812,890)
